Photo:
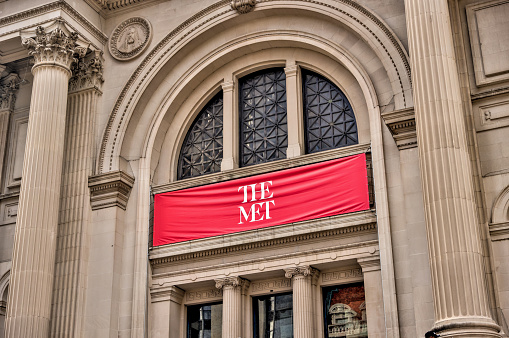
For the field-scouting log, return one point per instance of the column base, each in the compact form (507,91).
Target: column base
(475,327)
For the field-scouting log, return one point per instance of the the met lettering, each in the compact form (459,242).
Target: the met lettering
(257,211)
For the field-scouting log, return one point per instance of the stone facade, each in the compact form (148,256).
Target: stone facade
(97,97)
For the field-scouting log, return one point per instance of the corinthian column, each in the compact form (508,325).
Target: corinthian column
(8,87)
(232,305)
(458,279)
(33,259)
(75,211)
(302,280)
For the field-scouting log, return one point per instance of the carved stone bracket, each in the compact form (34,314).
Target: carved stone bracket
(232,282)
(302,271)
(87,72)
(243,6)
(110,190)
(57,46)
(8,87)
(401,123)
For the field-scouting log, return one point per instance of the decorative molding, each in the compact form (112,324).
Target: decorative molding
(232,282)
(87,72)
(401,123)
(301,271)
(368,264)
(243,6)
(55,47)
(204,294)
(271,285)
(56,5)
(165,256)
(263,168)
(167,293)
(341,275)
(130,38)
(499,231)
(489,93)
(8,87)
(110,190)
(112,131)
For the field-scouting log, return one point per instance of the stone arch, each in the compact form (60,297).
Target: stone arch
(500,211)
(377,41)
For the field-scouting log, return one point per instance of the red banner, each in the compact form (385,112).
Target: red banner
(319,190)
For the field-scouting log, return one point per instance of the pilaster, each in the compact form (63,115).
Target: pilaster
(75,209)
(303,314)
(232,305)
(456,256)
(8,88)
(109,194)
(166,308)
(371,272)
(34,250)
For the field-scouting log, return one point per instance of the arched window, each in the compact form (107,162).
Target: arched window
(263,124)
(202,150)
(329,123)
(329,118)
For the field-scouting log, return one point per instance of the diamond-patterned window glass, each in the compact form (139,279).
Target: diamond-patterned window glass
(202,150)
(329,118)
(263,124)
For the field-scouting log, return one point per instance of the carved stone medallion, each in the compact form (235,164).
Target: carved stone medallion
(130,38)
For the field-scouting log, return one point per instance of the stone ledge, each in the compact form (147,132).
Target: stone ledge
(401,123)
(347,224)
(110,190)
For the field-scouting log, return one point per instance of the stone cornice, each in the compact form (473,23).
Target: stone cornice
(52,6)
(87,72)
(301,271)
(401,123)
(167,255)
(56,47)
(110,190)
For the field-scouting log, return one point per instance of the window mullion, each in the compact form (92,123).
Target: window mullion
(294,111)
(230,127)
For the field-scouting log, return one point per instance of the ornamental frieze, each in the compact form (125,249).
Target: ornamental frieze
(130,38)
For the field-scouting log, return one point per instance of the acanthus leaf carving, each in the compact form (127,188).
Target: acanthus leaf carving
(8,87)
(55,46)
(87,72)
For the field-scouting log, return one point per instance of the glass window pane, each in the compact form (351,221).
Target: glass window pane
(273,316)
(330,121)
(263,126)
(204,321)
(345,311)
(202,150)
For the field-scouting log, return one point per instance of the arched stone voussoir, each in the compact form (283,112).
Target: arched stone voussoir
(345,23)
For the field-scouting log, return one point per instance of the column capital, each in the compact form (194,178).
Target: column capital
(232,282)
(110,190)
(369,263)
(165,293)
(291,70)
(228,86)
(8,87)
(401,124)
(87,72)
(303,271)
(53,46)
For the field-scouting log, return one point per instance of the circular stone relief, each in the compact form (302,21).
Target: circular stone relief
(130,38)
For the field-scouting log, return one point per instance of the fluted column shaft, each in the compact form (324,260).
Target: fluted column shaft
(232,305)
(33,261)
(302,300)
(75,210)
(459,289)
